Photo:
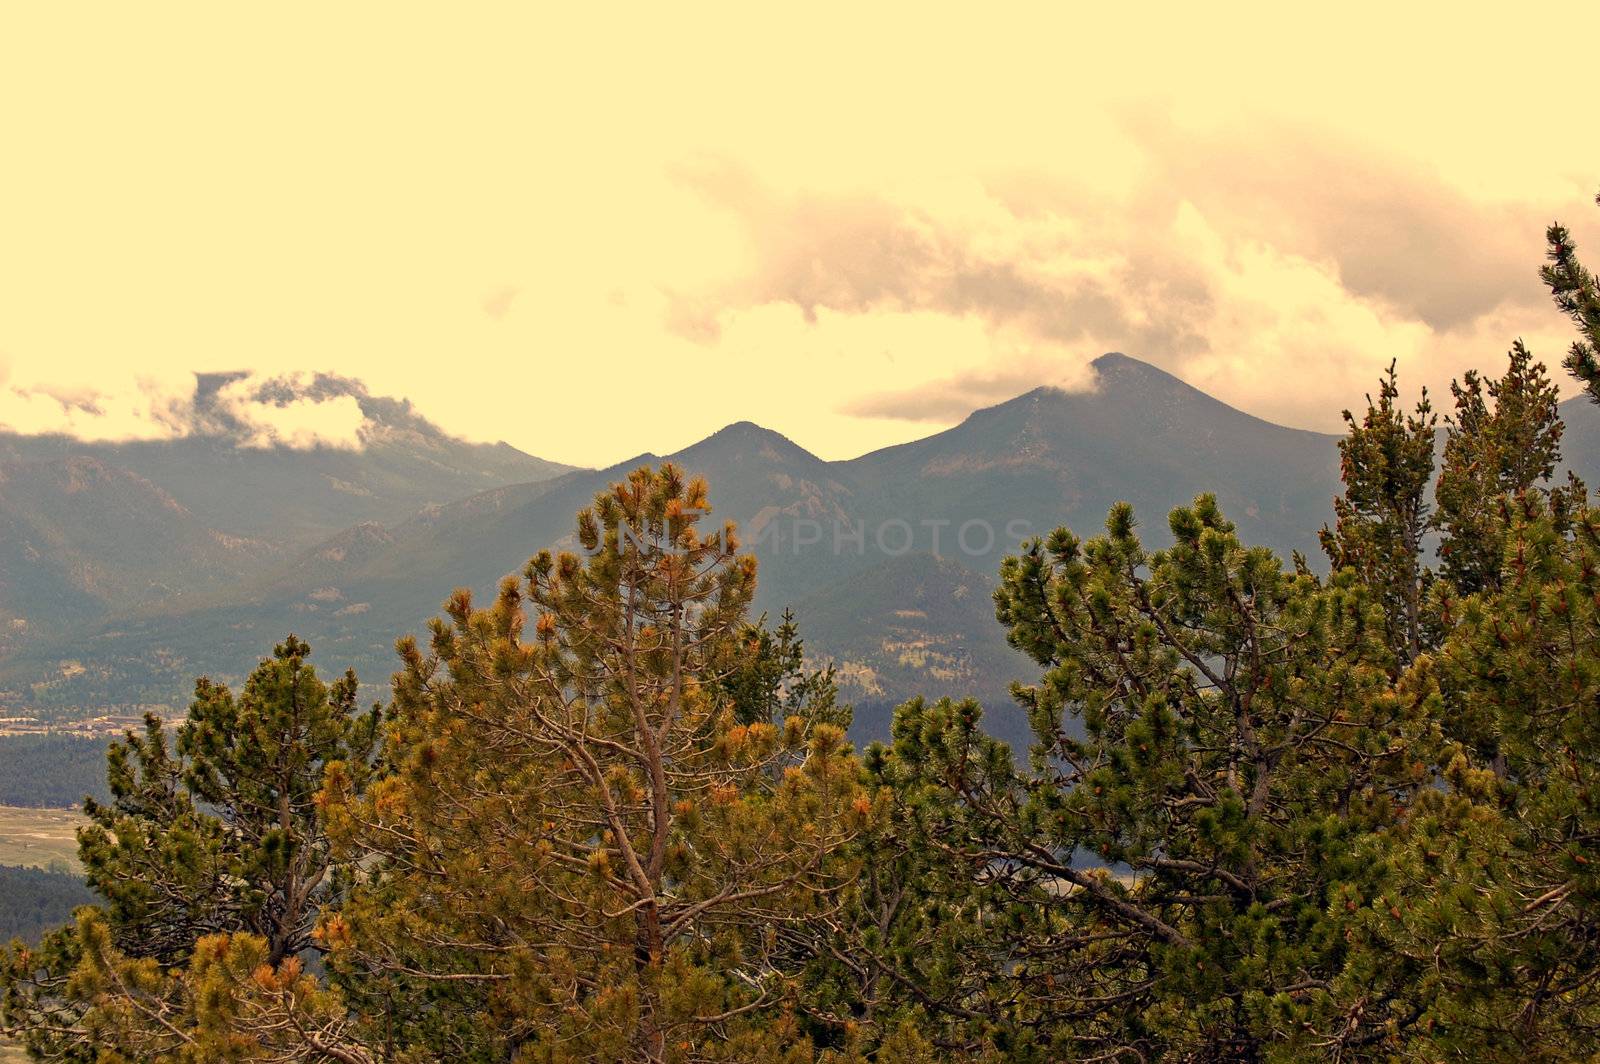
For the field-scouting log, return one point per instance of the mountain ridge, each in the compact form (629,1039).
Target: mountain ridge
(93,530)
(894,551)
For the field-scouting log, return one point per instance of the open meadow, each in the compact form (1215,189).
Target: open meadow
(36,837)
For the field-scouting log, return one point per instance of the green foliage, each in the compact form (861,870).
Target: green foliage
(1577,294)
(256,762)
(768,681)
(1489,453)
(38,1005)
(229,1003)
(159,862)
(571,832)
(1497,870)
(1386,462)
(221,836)
(1176,883)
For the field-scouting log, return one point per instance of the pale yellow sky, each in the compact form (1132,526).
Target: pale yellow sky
(596,234)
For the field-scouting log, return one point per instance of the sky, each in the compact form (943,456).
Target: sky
(596,230)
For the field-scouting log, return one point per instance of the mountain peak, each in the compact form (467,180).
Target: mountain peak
(743,429)
(1117,369)
(1130,388)
(747,439)
(1115,358)
(1117,378)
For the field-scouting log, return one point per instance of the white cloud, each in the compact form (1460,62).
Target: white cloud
(132,408)
(256,410)
(1286,305)
(299,424)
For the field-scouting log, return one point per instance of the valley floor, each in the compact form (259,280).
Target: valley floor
(38,837)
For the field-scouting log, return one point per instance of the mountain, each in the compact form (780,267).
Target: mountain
(913,624)
(1053,457)
(889,559)
(355,592)
(1580,441)
(220,470)
(91,530)
(79,536)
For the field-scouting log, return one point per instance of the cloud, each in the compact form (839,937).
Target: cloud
(137,408)
(497,304)
(73,400)
(290,412)
(1274,269)
(951,399)
(1060,280)
(1396,230)
(297,411)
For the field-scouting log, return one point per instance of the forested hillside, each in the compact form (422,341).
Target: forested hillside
(35,900)
(51,770)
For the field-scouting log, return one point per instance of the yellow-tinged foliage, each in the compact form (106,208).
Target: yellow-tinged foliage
(589,800)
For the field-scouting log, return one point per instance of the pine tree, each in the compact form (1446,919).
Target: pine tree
(1490,453)
(1217,746)
(221,837)
(907,950)
(161,864)
(226,1003)
(1386,463)
(768,681)
(932,937)
(1501,918)
(576,850)
(1577,294)
(227,836)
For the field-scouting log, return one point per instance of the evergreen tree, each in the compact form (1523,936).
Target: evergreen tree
(931,937)
(226,1003)
(576,850)
(226,836)
(220,837)
(160,863)
(1172,874)
(1577,294)
(768,681)
(1386,463)
(906,945)
(1498,900)
(1490,453)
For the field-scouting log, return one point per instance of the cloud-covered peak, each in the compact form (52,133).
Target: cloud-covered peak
(297,411)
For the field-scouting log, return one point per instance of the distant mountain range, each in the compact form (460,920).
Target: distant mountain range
(92,530)
(151,563)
